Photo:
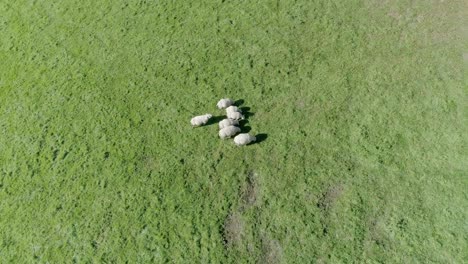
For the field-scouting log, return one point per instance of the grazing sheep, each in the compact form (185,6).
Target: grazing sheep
(228,132)
(200,120)
(232,109)
(243,139)
(228,122)
(235,115)
(223,103)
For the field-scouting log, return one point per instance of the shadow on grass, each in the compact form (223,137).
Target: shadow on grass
(260,138)
(215,120)
(245,129)
(244,109)
(239,102)
(243,122)
(247,114)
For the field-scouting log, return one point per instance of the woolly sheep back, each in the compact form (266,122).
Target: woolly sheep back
(235,115)
(200,120)
(232,109)
(228,122)
(244,139)
(224,103)
(228,132)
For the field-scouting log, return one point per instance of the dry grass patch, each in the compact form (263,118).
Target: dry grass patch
(330,197)
(272,252)
(251,191)
(233,230)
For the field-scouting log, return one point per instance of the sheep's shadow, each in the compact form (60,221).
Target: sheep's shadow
(243,122)
(215,120)
(239,102)
(244,108)
(260,138)
(247,114)
(243,126)
(245,129)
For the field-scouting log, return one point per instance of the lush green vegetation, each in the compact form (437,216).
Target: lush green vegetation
(363,104)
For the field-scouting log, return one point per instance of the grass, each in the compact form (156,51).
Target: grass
(362,107)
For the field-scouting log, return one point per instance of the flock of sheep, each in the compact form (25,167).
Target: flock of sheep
(227,127)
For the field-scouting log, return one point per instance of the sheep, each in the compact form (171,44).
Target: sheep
(223,103)
(228,132)
(200,120)
(235,115)
(243,139)
(228,122)
(232,109)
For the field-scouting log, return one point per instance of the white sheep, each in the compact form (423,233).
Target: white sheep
(224,103)
(235,115)
(228,132)
(243,139)
(200,120)
(228,122)
(232,109)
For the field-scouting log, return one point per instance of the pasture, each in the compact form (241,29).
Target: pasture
(361,107)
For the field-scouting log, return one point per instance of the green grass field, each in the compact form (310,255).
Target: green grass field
(363,107)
